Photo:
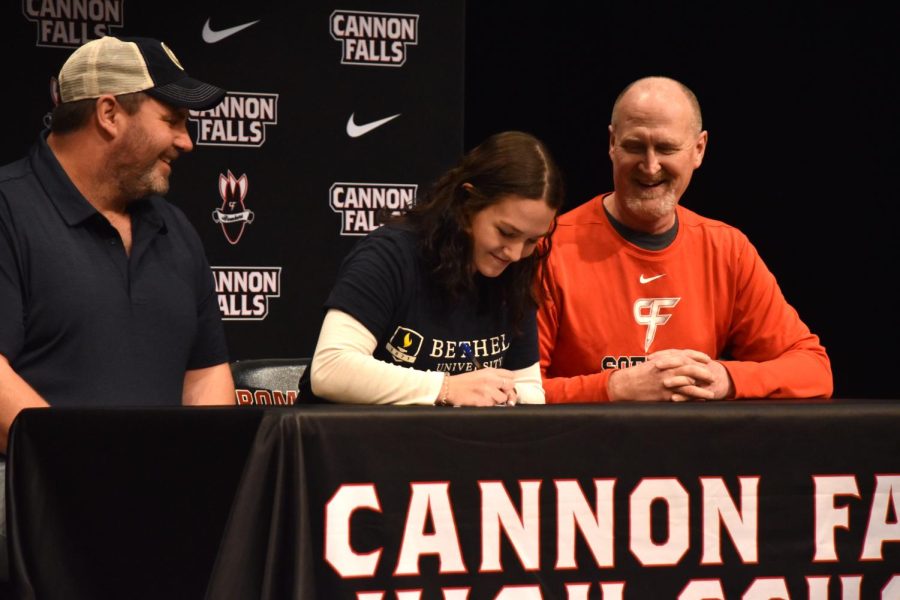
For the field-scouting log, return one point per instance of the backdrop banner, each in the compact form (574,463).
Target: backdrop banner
(337,115)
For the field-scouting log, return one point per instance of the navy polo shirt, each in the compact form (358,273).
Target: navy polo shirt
(81,321)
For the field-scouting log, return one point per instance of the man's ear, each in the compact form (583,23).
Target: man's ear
(612,140)
(700,148)
(108,114)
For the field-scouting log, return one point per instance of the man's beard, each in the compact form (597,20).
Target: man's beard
(136,181)
(652,208)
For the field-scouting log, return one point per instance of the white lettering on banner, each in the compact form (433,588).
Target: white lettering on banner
(761,588)
(575,591)
(882,527)
(892,590)
(767,588)
(850,587)
(703,589)
(244,292)
(430,503)
(338,511)
(431,530)
(884,515)
(828,516)
(740,524)
(522,530)
(672,493)
(522,525)
(608,591)
(374,39)
(239,120)
(362,206)
(596,526)
(71,23)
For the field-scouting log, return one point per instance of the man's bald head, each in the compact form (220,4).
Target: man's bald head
(660,86)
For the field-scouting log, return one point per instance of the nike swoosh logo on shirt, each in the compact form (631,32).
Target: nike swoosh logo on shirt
(211,37)
(649,279)
(354,130)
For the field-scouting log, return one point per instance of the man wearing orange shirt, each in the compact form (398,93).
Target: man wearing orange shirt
(647,300)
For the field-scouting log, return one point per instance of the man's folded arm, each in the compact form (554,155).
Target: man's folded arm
(15,395)
(209,386)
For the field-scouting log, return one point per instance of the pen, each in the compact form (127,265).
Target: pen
(467,352)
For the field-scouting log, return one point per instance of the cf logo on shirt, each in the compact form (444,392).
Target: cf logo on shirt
(646,312)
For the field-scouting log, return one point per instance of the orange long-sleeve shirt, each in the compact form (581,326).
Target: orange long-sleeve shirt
(610,303)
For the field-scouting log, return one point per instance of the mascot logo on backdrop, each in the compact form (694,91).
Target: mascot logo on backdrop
(71,23)
(364,206)
(244,292)
(233,215)
(405,345)
(373,39)
(240,119)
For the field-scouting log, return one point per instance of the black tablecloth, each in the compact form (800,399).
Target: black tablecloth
(247,503)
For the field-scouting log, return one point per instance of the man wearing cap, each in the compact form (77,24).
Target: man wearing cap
(106,295)
(647,300)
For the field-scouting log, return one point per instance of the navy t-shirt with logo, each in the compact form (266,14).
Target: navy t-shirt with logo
(383,284)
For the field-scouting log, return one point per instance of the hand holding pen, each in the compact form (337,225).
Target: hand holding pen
(484,386)
(467,352)
(506,383)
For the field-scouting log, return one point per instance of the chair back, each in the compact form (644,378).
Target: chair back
(267,381)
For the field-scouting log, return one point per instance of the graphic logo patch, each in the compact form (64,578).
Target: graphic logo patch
(644,280)
(404,345)
(71,23)
(374,39)
(233,215)
(239,120)
(355,131)
(211,36)
(646,312)
(244,292)
(364,206)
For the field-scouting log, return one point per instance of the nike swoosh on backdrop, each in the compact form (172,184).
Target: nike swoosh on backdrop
(649,279)
(354,130)
(211,37)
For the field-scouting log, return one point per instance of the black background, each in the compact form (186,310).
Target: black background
(800,101)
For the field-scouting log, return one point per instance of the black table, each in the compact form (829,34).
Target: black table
(560,501)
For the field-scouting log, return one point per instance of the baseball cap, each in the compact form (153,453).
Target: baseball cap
(111,65)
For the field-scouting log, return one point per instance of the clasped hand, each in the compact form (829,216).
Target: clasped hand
(483,387)
(676,375)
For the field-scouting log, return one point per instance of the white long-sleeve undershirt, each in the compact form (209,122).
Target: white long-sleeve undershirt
(344,369)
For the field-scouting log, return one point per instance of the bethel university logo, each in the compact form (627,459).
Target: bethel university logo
(405,345)
(233,214)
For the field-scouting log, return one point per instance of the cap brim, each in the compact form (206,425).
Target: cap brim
(188,93)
